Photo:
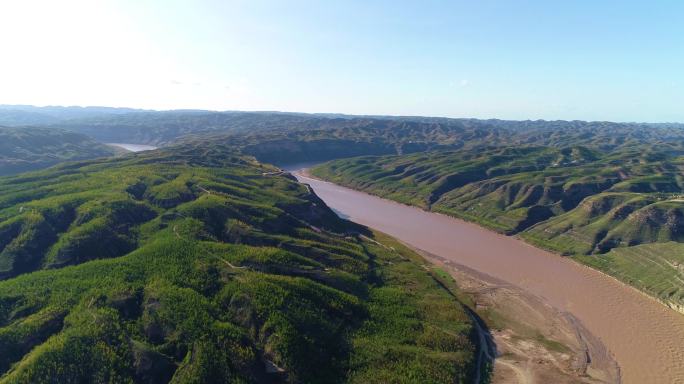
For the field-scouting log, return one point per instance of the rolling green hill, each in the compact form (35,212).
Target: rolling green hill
(196,265)
(576,201)
(24,149)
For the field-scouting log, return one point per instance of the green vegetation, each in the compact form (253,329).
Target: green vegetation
(656,268)
(24,149)
(288,138)
(283,138)
(578,201)
(295,137)
(197,265)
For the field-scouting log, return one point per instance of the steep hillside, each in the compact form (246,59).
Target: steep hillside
(575,201)
(23,149)
(199,265)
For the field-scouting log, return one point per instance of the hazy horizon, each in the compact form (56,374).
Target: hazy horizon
(526,61)
(8,106)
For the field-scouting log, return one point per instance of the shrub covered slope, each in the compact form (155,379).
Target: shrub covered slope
(195,265)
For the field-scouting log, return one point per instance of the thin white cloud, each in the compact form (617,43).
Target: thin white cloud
(459,83)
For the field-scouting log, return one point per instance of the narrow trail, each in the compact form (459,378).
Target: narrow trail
(204,190)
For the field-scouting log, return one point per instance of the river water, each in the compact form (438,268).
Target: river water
(134,147)
(646,338)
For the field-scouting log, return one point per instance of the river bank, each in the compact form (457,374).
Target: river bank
(644,336)
(532,341)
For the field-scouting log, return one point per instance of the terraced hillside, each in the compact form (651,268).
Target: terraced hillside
(575,200)
(24,149)
(199,265)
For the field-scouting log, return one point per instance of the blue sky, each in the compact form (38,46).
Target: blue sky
(592,60)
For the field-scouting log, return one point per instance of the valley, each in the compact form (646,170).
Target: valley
(643,335)
(619,211)
(341,192)
(606,195)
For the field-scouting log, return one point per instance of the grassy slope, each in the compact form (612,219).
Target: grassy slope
(24,149)
(656,268)
(191,265)
(573,201)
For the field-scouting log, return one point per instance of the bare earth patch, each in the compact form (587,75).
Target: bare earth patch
(533,342)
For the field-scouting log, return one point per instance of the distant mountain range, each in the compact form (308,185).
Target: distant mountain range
(163,127)
(18,115)
(280,137)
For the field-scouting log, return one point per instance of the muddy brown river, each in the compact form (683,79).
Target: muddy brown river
(646,338)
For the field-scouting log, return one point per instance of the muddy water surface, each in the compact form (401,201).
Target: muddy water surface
(646,338)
